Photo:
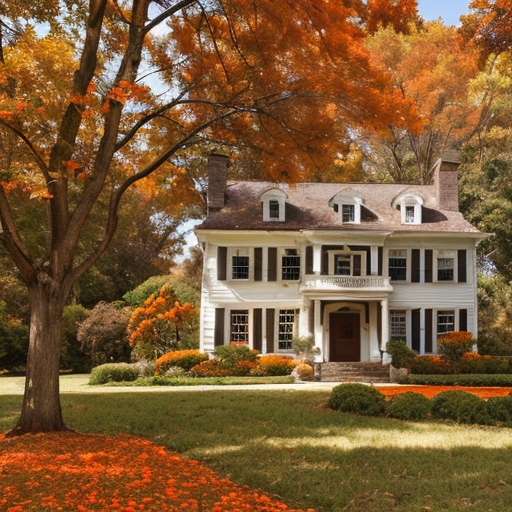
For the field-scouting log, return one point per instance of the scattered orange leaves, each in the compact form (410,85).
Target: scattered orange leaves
(73,472)
(430,391)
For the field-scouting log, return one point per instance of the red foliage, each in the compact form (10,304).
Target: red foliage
(430,391)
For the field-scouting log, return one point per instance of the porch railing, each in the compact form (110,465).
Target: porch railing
(327,283)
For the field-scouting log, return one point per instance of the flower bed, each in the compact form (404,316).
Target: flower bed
(430,391)
(72,472)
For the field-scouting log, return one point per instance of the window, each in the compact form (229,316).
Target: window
(239,266)
(290,265)
(409,214)
(398,265)
(347,213)
(445,322)
(239,326)
(273,209)
(398,325)
(445,269)
(286,329)
(342,264)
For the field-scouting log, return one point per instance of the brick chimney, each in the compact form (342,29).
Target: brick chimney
(446,181)
(217,179)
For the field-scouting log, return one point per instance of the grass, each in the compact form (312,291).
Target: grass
(288,444)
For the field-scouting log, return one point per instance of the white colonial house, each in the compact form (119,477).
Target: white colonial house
(353,265)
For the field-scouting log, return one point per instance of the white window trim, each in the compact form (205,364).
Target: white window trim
(347,200)
(333,253)
(407,322)
(445,254)
(240,251)
(281,255)
(409,199)
(407,265)
(296,320)
(273,195)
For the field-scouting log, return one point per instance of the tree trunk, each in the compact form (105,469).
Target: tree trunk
(41,410)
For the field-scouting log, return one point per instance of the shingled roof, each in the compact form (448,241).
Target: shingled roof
(307,208)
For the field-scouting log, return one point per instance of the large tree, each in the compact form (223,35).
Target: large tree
(118,90)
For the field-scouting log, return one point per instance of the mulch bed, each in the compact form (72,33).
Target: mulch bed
(430,391)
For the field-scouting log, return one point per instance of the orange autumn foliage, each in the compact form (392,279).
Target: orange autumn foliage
(430,391)
(68,471)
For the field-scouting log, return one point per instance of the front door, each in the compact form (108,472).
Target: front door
(344,337)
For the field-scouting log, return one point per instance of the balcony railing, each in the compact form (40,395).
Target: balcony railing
(338,283)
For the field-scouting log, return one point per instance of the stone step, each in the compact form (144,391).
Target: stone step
(352,372)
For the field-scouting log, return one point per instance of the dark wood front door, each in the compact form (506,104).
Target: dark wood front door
(344,337)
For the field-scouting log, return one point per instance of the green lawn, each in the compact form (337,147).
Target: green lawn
(287,443)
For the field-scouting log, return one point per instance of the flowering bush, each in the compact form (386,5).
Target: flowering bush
(210,368)
(68,471)
(274,365)
(304,372)
(453,345)
(184,359)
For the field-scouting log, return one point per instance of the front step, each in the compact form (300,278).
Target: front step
(352,372)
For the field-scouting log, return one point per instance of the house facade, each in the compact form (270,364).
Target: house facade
(353,265)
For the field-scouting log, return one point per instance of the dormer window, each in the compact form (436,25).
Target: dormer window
(409,205)
(348,206)
(274,201)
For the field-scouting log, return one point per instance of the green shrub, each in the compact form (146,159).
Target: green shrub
(453,345)
(429,365)
(357,398)
(408,406)
(401,355)
(184,359)
(274,366)
(460,380)
(303,372)
(113,372)
(499,409)
(232,354)
(461,407)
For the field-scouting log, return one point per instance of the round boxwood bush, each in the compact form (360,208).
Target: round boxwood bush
(357,398)
(408,406)
(113,372)
(461,407)
(500,409)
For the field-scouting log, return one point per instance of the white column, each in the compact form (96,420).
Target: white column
(305,312)
(318,332)
(375,260)
(317,259)
(384,327)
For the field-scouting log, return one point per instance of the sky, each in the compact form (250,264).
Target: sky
(449,10)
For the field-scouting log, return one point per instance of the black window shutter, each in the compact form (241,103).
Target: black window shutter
(272,264)
(415,266)
(269,328)
(258,258)
(415,327)
(463,319)
(461,264)
(218,337)
(257,332)
(381,252)
(222,253)
(325,262)
(357,265)
(429,255)
(428,331)
(309,259)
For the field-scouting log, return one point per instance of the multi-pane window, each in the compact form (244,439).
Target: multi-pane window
(342,264)
(445,322)
(348,213)
(240,266)
(409,214)
(290,265)
(273,209)
(286,329)
(398,325)
(445,269)
(239,326)
(398,265)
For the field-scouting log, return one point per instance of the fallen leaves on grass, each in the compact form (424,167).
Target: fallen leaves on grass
(430,391)
(73,472)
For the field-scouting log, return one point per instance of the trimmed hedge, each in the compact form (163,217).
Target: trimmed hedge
(113,372)
(500,409)
(184,359)
(469,363)
(503,380)
(408,406)
(357,398)
(461,407)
